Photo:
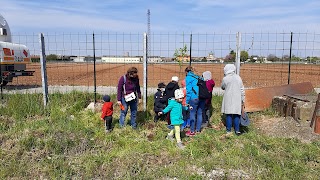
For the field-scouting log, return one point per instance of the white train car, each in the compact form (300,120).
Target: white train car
(13,57)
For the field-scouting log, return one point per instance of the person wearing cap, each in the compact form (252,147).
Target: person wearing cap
(175,108)
(107,111)
(169,93)
(159,102)
(171,87)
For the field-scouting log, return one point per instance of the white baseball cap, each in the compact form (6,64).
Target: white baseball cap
(175,78)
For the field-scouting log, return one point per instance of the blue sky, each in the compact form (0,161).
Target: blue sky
(166,15)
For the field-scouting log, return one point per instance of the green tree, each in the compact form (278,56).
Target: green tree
(204,59)
(51,57)
(180,54)
(244,56)
(295,58)
(231,56)
(272,57)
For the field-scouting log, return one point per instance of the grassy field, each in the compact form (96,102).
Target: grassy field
(63,141)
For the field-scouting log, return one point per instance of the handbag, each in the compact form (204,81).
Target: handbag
(245,121)
(128,97)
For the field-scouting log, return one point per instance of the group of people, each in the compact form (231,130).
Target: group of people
(181,107)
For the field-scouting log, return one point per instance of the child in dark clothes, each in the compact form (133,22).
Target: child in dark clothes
(169,93)
(159,102)
(107,111)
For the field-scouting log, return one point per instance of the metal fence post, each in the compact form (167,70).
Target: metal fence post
(43,70)
(94,70)
(1,80)
(190,48)
(145,62)
(289,71)
(238,52)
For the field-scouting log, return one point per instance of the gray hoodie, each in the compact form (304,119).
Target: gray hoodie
(234,94)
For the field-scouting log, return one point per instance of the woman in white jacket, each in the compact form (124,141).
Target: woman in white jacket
(233,98)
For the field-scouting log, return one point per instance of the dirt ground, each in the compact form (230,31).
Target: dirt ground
(286,127)
(253,75)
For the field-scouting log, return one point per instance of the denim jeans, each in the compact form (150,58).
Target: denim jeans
(233,119)
(196,114)
(133,109)
(207,113)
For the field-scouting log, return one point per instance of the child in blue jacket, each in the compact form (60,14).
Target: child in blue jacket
(175,107)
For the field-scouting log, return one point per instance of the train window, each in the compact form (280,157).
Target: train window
(3,32)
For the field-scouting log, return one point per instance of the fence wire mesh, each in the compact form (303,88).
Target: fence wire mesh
(265,61)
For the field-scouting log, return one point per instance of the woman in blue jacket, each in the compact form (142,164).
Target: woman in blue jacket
(194,101)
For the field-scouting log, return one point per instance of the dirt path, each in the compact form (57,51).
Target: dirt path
(286,128)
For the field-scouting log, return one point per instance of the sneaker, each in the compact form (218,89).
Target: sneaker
(170,138)
(108,131)
(180,145)
(189,133)
(238,133)
(229,134)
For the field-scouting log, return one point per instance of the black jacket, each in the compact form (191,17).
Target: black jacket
(169,90)
(159,101)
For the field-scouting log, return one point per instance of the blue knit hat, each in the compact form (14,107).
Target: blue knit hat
(106,98)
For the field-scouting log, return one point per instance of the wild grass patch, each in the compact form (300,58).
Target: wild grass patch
(63,141)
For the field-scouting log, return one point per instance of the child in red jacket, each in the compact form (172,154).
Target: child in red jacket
(206,114)
(107,111)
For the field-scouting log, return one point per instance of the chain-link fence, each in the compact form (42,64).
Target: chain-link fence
(267,59)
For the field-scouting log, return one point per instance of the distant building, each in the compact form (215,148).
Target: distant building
(154,59)
(84,59)
(117,59)
(210,57)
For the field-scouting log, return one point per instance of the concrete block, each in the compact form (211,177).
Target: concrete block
(300,110)
(279,103)
(305,110)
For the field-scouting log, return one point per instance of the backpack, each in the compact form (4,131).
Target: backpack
(203,90)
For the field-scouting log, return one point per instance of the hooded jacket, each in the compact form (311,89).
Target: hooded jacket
(159,101)
(175,109)
(169,90)
(191,86)
(234,94)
